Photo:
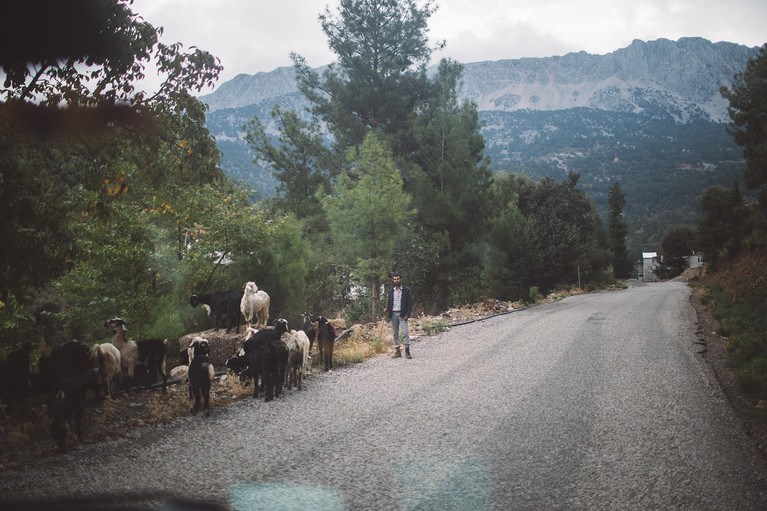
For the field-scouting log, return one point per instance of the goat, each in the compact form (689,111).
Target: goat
(70,359)
(238,364)
(223,306)
(201,373)
(259,357)
(149,352)
(326,336)
(106,358)
(66,402)
(255,302)
(298,356)
(281,355)
(15,378)
(309,329)
(306,361)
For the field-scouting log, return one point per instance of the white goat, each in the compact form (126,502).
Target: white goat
(106,357)
(298,357)
(148,352)
(128,348)
(190,349)
(255,302)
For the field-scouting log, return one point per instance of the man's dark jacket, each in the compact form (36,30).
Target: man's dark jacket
(407,302)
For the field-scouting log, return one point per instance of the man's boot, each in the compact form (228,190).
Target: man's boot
(397,353)
(407,352)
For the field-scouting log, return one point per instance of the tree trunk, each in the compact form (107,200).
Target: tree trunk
(441,299)
(374,298)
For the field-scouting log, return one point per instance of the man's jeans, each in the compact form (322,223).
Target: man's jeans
(399,325)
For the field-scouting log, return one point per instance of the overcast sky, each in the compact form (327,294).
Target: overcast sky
(250,36)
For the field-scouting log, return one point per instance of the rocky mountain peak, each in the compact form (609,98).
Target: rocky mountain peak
(680,79)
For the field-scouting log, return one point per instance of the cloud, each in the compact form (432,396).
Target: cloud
(252,36)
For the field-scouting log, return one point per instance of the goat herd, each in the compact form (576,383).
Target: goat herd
(272,357)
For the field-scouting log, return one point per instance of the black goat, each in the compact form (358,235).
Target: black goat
(70,359)
(261,357)
(281,354)
(309,329)
(326,337)
(15,379)
(201,373)
(224,306)
(66,401)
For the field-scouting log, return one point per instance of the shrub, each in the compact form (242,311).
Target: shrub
(434,328)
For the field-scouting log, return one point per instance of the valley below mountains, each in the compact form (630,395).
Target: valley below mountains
(649,116)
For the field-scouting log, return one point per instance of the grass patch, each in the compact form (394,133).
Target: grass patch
(352,352)
(434,328)
(742,319)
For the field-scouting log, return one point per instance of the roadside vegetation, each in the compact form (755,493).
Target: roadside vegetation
(737,296)
(732,233)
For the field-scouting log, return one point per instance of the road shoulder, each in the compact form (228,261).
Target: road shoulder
(714,351)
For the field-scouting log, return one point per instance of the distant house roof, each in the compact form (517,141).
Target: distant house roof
(649,255)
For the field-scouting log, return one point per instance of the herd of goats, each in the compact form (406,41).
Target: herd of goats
(272,357)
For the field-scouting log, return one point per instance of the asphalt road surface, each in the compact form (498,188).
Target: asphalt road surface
(597,401)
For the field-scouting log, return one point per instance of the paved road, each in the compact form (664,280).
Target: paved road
(593,402)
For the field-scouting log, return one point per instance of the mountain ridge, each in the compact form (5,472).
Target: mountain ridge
(655,72)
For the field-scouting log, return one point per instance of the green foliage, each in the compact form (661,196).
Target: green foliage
(360,308)
(535,295)
(382,49)
(743,319)
(679,242)
(748,120)
(722,225)
(434,328)
(369,211)
(510,247)
(299,161)
(415,257)
(37,243)
(78,183)
(279,264)
(567,233)
(617,231)
(663,167)
(451,182)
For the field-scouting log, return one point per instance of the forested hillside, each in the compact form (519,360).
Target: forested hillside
(663,167)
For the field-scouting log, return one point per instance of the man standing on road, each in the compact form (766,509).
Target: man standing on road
(399,306)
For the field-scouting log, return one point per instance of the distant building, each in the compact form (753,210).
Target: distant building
(694,260)
(649,261)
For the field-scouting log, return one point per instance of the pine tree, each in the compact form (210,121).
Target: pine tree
(451,182)
(368,210)
(748,121)
(380,74)
(617,231)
